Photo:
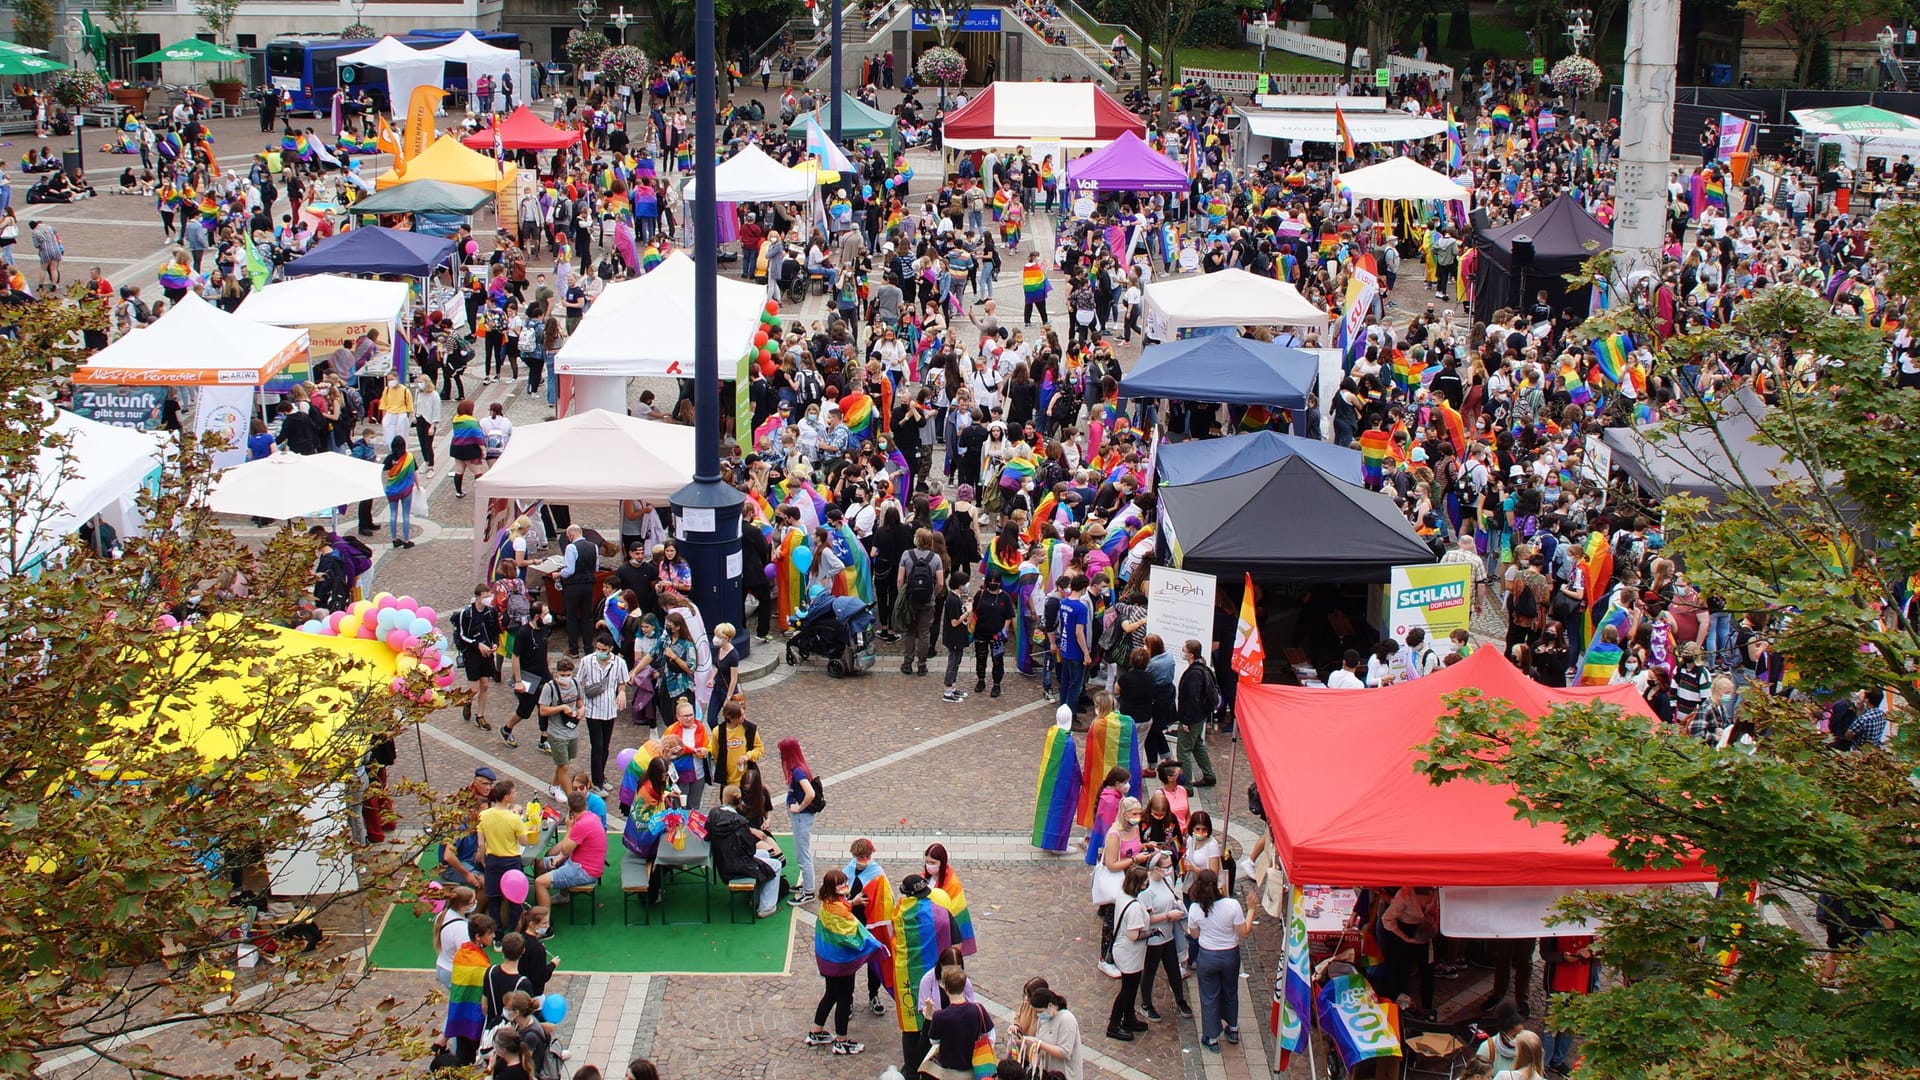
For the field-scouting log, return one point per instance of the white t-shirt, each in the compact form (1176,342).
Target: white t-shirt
(1201,855)
(1130,915)
(1217,929)
(453,934)
(1345,680)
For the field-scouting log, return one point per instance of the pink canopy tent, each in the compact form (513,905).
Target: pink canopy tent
(1127,164)
(521,130)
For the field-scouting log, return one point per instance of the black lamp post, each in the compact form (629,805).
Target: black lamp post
(707,511)
(836,79)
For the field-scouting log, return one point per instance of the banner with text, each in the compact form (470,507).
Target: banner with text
(226,411)
(122,406)
(1180,609)
(1435,596)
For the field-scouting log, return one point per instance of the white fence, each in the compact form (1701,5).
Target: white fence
(1247,82)
(1335,52)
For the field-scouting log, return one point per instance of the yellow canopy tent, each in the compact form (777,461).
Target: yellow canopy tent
(449,161)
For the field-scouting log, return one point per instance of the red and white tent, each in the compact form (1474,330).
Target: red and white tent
(1023,113)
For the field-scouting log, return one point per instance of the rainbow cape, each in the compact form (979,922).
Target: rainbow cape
(466,1014)
(1016,472)
(1716,190)
(1056,798)
(359,144)
(1612,352)
(858,412)
(880,903)
(1043,512)
(1502,117)
(1456,427)
(921,932)
(397,478)
(176,276)
(1008,567)
(903,481)
(209,208)
(841,945)
(1000,200)
(1598,567)
(1033,280)
(466,432)
(1577,388)
(1599,665)
(938,510)
(296,146)
(857,578)
(1374,447)
(1112,740)
(790,584)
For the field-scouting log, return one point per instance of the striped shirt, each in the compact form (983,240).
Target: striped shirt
(600,684)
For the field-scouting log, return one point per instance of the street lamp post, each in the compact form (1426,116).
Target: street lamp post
(1580,29)
(620,20)
(1263,23)
(76,34)
(835,78)
(707,511)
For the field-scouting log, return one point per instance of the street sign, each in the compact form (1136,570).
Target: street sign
(1539,65)
(1382,76)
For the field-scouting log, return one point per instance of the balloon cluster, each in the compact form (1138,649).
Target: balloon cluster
(402,624)
(765,343)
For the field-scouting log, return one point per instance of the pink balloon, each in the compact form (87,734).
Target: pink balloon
(513,886)
(394,639)
(407,603)
(408,642)
(167,622)
(335,619)
(424,612)
(443,680)
(398,684)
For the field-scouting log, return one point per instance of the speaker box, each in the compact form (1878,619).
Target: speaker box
(1523,251)
(1481,222)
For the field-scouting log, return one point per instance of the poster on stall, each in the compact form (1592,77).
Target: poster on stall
(122,406)
(225,411)
(1432,595)
(1180,609)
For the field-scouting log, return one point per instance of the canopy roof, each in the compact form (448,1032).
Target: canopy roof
(26,63)
(1323,127)
(195,344)
(521,130)
(1236,370)
(480,57)
(1335,769)
(644,325)
(192,51)
(1024,113)
(406,68)
(1689,459)
(287,485)
(752,176)
(107,463)
(425,197)
(1198,460)
(1230,298)
(325,298)
(448,160)
(1856,120)
(856,119)
(1127,164)
(1564,235)
(1287,521)
(374,250)
(1401,178)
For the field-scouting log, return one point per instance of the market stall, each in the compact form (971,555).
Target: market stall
(406,68)
(1400,178)
(1536,254)
(1198,460)
(374,250)
(96,476)
(1233,370)
(424,197)
(1070,115)
(752,176)
(1231,297)
(480,58)
(522,130)
(449,160)
(334,311)
(1697,460)
(1126,164)
(857,122)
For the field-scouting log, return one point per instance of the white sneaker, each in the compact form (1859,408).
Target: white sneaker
(1109,970)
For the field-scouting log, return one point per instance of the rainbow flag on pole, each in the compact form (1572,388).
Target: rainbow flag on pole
(1347,145)
(1249,655)
(1293,991)
(1456,154)
(1112,740)
(1056,797)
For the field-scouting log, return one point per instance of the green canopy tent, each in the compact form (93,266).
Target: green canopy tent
(1859,125)
(192,51)
(425,197)
(857,121)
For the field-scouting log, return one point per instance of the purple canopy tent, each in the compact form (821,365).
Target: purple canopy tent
(1127,164)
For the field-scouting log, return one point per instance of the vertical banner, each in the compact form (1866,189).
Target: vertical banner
(1432,596)
(1180,609)
(225,411)
(743,403)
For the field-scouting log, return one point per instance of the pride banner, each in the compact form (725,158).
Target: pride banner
(1356,1021)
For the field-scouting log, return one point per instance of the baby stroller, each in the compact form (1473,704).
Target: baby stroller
(839,628)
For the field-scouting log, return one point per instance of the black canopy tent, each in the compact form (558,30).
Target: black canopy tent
(1286,521)
(1563,234)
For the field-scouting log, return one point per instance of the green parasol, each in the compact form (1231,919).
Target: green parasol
(192,51)
(25,63)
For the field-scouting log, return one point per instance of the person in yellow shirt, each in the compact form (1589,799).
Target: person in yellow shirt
(736,741)
(503,830)
(396,409)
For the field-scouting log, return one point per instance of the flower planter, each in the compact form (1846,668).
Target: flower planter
(225,91)
(133,97)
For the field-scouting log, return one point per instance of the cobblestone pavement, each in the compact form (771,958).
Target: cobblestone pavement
(905,768)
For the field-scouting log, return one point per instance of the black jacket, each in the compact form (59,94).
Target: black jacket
(732,841)
(1198,692)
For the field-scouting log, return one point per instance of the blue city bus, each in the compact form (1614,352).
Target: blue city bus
(305,65)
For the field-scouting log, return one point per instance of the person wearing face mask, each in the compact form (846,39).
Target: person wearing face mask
(1165,911)
(396,408)
(530,670)
(476,629)
(1056,1038)
(426,416)
(940,875)
(603,690)
(992,625)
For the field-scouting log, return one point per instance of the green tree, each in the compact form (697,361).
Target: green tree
(1807,24)
(1828,560)
(33,23)
(121,843)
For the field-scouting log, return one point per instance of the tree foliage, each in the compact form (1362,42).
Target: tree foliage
(33,23)
(121,849)
(1806,25)
(1828,560)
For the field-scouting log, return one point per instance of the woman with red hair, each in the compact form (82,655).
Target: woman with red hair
(804,799)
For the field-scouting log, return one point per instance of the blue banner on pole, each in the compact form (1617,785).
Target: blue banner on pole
(976,21)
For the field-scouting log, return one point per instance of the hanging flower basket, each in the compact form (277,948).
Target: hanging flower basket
(941,65)
(623,65)
(1575,75)
(359,32)
(585,48)
(76,89)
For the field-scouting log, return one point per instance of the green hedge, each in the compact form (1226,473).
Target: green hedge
(1214,26)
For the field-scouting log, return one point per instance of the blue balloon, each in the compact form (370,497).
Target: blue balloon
(553,1008)
(385,619)
(803,559)
(419,627)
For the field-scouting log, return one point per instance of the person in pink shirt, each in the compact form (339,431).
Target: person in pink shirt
(1176,792)
(579,858)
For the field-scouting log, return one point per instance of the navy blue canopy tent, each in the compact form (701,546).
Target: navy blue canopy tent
(1197,461)
(374,250)
(1234,370)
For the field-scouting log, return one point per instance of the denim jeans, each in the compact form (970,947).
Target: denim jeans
(803,847)
(1218,972)
(1559,1048)
(1719,640)
(1073,680)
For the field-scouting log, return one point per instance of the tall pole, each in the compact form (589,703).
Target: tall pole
(707,511)
(833,106)
(1646,134)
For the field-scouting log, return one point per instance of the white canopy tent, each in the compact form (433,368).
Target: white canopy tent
(195,344)
(752,176)
(99,472)
(594,456)
(1228,298)
(644,326)
(325,298)
(406,68)
(480,58)
(1859,126)
(295,485)
(1389,127)
(1400,178)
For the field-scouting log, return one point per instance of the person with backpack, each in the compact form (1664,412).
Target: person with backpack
(919,581)
(1198,695)
(476,631)
(992,625)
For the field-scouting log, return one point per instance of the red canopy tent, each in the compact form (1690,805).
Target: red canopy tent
(1021,114)
(1336,776)
(521,130)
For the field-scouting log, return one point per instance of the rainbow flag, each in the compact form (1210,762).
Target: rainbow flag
(841,945)
(1403,376)
(1456,154)
(938,510)
(1000,200)
(1293,999)
(1016,472)
(1716,190)
(1600,664)
(1456,427)
(466,432)
(1113,741)
(857,578)
(1612,352)
(1347,145)
(209,209)
(1033,280)
(296,146)
(1007,566)
(397,478)
(1056,798)
(466,1015)
(790,584)
(1359,1024)
(858,411)
(176,276)
(1046,510)
(903,480)
(921,932)
(1598,568)
(1375,446)
(951,895)
(1502,117)
(359,144)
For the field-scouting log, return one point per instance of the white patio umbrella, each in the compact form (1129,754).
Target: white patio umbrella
(295,485)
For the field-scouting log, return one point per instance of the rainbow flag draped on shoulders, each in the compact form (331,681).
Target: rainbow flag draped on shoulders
(952,896)
(1056,798)
(857,578)
(1016,472)
(1600,664)
(466,1013)
(359,144)
(790,583)
(397,478)
(841,944)
(1033,281)
(1006,565)
(1113,741)
(922,931)
(1375,445)
(1455,426)
(858,411)
(466,432)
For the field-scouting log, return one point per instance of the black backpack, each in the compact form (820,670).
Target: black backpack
(819,802)
(921,584)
